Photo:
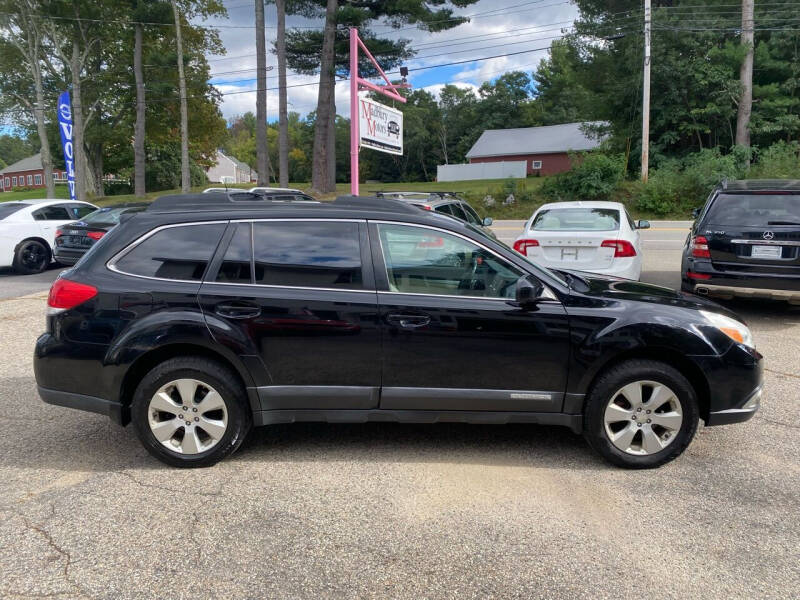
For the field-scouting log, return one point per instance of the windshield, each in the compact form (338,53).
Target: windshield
(536,266)
(755,210)
(576,219)
(9,208)
(108,215)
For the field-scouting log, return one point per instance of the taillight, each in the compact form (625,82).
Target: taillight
(622,248)
(522,246)
(426,207)
(66,294)
(59,232)
(96,235)
(700,247)
(431,242)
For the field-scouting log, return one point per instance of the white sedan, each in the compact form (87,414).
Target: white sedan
(598,237)
(28,231)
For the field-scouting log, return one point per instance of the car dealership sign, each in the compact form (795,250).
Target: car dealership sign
(380,127)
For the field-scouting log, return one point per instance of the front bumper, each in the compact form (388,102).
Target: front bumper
(737,415)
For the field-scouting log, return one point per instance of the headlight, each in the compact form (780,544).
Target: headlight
(736,330)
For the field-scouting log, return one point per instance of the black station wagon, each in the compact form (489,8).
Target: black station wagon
(203,316)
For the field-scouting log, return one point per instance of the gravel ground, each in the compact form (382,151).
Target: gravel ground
(400,511)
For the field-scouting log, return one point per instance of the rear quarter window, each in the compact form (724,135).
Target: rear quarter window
(177,253)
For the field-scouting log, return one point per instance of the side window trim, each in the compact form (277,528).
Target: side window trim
(112,262)
(382,273)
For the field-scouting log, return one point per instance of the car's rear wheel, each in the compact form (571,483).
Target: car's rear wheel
(191,412)
(31,256)
(641,414)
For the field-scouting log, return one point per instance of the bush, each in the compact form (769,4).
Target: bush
(117,188)
(779,161)
(679,185)
(593,176)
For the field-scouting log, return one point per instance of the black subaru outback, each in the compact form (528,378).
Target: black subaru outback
(745,242)
(203,316)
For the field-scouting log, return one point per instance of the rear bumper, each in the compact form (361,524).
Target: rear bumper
(115,410)
(67,256)
(721,283)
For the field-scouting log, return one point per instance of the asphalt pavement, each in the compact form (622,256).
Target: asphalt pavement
(398,511)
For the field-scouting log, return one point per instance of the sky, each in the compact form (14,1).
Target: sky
(495,27)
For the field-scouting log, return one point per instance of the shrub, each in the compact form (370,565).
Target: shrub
(593,176)
(117,188)
(679,185)
(779,161)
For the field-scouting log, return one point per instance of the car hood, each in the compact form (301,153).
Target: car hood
(618,288)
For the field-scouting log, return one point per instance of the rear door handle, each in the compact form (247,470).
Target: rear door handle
(238,310)
(408,321)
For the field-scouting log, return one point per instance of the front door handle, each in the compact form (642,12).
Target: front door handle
(408,321)
(240,310)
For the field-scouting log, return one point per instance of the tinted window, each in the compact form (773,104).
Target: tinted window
(9,208)
(577,219)
(109,215)
(755,210)
(174,253)
(78,211)
(235,267)
(426,261)
(472,216)
(444,209)
(52,213)
(307,254)
(458,212)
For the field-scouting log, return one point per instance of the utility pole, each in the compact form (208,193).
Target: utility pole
(185,179)
(283,118)
(262,156)
(646,92)
(746,77)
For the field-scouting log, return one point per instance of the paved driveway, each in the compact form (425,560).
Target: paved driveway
(400,511)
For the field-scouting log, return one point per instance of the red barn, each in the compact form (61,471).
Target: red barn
(544,149)
(27,173)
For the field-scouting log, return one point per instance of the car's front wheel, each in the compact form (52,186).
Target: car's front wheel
(31,256)
(641,414)
(191,412)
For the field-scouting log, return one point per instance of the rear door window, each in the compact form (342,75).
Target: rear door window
(318,254)
(178,253)
(52,213)
(754,210)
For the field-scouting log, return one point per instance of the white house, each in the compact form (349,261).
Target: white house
(229,170)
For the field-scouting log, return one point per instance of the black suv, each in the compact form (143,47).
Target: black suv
(201,317)
(745,242)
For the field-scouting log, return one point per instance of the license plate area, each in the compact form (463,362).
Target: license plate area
(766,252)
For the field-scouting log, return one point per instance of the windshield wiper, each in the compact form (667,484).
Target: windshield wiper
(783,223)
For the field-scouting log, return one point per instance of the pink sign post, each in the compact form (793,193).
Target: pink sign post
(356,83)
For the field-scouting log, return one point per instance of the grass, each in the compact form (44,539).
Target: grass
(526,193)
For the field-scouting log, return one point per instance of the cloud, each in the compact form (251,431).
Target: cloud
(509,27)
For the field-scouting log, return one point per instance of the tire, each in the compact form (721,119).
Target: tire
(158,405)
(664,391)
(31,257)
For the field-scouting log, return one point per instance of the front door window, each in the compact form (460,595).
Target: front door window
(428,261)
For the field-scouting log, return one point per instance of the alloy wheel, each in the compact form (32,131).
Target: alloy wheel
(187,416)
(33,256)
(643,418)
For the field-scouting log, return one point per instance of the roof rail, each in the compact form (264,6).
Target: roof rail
(375,203)
(380,193)
(212,200)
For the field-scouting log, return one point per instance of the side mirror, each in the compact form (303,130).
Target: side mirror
(695,212)
(487,222)
(642,224)
(529,291)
